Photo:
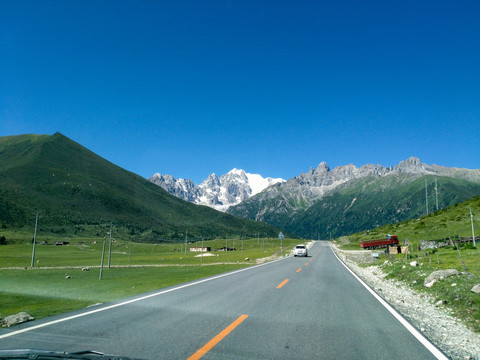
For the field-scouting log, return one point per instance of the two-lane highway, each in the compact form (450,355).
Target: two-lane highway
(292,308)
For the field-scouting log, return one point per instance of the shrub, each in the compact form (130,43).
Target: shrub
(469,246)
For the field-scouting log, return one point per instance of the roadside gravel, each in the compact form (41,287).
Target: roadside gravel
(444,330)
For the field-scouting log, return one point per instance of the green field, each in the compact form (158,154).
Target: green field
(57,284)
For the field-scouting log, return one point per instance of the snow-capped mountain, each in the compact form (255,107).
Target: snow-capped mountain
(182,188)
(217,192)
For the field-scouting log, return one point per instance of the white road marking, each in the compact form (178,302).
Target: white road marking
(419,336)
(39,326)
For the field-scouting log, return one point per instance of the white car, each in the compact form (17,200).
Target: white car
(300,250)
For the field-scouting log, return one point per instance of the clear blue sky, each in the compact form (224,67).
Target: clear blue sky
(188,88)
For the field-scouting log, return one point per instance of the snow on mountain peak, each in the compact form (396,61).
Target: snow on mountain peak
(236,171)
(258,183)
(218,192)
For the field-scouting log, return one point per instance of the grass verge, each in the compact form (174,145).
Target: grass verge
(454,292)
(49,292)
(45,289)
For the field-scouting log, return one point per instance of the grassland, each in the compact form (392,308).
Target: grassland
(57,284)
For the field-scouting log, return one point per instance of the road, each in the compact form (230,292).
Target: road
(294,308)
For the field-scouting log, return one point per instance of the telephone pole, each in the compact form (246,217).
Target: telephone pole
(186,237)
(473,230)
(34,241)
(110,246)
(103,255)
(426,196)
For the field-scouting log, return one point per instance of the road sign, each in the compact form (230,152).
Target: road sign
(280,236)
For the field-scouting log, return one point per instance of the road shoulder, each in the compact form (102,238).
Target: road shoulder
(445,331)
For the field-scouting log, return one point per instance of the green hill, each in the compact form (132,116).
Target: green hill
(452,221)
(356,205)
(367,204)
(74,189)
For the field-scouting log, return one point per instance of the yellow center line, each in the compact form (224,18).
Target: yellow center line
(283,283)
(208,346)
(299,270)
(306,264)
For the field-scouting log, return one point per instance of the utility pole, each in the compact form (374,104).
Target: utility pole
(103,255)
(110,246)
(473,230)
(34,241)
(281,237)
(186,237)
(436,193)
(426,196)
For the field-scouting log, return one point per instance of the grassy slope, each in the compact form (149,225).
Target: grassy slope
(451,221)
(71,186)
(455,291)
(368,203)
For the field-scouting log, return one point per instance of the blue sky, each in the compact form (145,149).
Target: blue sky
(188,88)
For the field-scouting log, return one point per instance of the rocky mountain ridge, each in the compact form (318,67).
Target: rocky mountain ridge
(237,186)
(346,199)
(314,184)
(323,177)
(217,192)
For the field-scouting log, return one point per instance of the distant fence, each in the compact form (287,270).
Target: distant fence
(448,241)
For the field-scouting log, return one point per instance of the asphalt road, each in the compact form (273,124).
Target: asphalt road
(321,312)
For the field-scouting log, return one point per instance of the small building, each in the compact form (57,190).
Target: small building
(200,249)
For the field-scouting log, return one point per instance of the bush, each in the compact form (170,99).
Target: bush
(3,240)
(469,246)
(466,246)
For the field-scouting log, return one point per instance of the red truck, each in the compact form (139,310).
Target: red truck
(380,243)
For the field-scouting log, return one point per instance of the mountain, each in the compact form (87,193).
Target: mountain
(217,192)
(75,190)
(328,203)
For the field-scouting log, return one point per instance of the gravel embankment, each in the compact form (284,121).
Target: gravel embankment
(445,331)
